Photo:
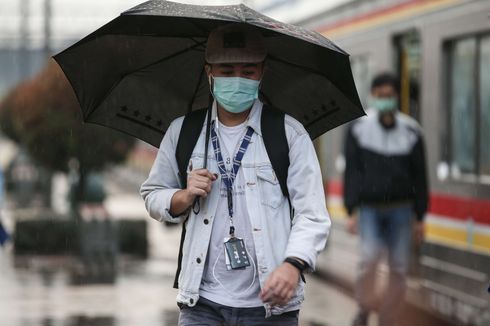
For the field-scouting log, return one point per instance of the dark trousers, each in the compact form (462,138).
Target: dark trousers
(208,313)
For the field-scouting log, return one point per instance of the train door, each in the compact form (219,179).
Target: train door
(361,71)
(408,61)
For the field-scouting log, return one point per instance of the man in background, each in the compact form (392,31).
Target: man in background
(385,180)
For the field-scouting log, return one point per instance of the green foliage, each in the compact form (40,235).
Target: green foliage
(43,115)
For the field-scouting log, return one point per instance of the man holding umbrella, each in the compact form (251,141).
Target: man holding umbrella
(253,210)
(246,244)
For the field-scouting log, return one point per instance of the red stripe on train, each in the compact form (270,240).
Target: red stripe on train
(380,12)
(457,207)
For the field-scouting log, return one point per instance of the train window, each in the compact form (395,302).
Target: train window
(463,107)
(485,105)
(469,102)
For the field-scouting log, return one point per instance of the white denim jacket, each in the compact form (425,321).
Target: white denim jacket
(276,236)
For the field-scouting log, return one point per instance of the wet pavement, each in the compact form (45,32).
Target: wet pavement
(38,291)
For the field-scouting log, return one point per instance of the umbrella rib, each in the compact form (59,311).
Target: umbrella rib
(322,116)
(196,24)
(297,65)
(195,90)
(139,69)
(171,56)
(309,70)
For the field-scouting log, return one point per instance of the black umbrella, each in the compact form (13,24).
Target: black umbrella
(146,67)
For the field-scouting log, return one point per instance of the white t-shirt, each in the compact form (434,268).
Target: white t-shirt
(233,288)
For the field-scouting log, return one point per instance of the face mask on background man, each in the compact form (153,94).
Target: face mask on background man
(384,105)
(235,94)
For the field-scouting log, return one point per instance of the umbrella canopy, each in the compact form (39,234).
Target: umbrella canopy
(146,67)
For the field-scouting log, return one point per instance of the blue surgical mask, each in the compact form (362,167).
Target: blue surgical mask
(383,105)
(235,94)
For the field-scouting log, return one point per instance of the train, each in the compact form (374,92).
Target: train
(440,51)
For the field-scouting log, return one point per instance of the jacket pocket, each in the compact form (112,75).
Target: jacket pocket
(270,190)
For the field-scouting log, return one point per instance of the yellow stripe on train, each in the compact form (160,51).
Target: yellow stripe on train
(457,237)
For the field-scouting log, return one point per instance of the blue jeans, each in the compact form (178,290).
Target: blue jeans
(208,313)
(384,228)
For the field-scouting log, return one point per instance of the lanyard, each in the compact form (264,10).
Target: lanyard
(229,179)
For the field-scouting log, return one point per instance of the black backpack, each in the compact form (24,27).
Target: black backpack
(275,141)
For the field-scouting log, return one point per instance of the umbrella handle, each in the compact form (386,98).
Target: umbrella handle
(196,206)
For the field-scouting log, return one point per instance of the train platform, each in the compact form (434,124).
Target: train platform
(338,265)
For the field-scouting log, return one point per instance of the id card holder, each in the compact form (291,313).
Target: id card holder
(236,253)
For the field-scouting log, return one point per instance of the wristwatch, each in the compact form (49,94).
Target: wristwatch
(301,267)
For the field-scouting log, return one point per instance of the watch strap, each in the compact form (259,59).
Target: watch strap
(300,267)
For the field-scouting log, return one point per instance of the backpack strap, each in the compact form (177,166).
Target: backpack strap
(276,144)
(188,136)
